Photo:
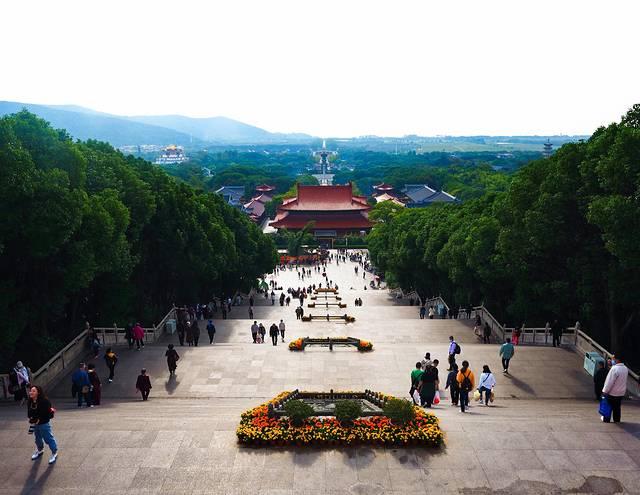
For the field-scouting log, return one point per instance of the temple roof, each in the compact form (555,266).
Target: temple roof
(355,220)
(421,194)
(325,198)
(388,197)
(265,188)
(383,187)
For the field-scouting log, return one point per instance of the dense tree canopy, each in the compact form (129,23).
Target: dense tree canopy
(562,241)
(89,233)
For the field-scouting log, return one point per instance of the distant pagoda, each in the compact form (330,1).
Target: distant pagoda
(548,149)
(171,155)
(323,166)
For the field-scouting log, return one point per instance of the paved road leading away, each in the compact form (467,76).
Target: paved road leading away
(542,435)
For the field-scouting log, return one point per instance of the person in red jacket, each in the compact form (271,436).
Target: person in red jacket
(138,335)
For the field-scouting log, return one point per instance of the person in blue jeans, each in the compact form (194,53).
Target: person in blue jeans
(40,412)
(82,385)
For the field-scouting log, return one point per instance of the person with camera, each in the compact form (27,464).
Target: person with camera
(40,413)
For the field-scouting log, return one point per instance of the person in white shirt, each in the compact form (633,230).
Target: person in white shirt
(426,361)
(281,328)
(615,388)
(485,384)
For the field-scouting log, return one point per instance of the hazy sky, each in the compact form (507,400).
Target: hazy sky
(333,68)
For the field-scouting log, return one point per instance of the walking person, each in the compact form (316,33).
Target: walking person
(273,333)
(517,332)
(195,331)
(454,349)
(486,384)
(262,331)
(423,312)
(507,350)
(181,331)
(40,412)
(111,359)
(426,361)
(128,334)
(138,336)
(416,373)
(254,332)
(615,388)
(189,334)
(251,312)
(431,312)
(452,385)
(556,332)
(282,328)
(486,333)
(172,359)
(81,385)
(95,343)
(466,380)
(96,385)
(428,385)
(211,330)
(143,384)
(20,382)
(599,377)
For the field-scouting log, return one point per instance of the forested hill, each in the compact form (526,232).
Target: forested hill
(87,233)
(84,124)
(563,241)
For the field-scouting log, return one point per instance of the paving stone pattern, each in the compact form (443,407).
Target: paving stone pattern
(542,435)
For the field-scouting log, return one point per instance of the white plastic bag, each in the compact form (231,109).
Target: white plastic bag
(416,397)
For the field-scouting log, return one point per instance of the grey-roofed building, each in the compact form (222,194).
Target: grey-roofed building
(232,194)
(419,195)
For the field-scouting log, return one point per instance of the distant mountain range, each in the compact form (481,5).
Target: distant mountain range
(84,123)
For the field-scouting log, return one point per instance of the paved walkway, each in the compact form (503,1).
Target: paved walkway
(542,436)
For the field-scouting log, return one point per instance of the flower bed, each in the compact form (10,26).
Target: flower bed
(300,343)
(257,428)
(365,346)
(297,345)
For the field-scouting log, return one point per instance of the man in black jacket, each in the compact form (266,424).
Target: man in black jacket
(273,333)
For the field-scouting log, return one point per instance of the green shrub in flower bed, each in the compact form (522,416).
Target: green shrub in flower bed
(347,411)
(400,411)
(298,411)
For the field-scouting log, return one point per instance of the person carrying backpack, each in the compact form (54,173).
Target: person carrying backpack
(467,382)
(453,385)
(454,349)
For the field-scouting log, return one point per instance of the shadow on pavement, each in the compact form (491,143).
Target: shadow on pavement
(171,384)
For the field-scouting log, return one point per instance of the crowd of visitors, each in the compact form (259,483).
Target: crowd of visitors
(427,387)
(460,381)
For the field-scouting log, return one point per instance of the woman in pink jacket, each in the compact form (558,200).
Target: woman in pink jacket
(138,335)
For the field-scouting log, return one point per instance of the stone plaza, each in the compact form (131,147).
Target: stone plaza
(542,434)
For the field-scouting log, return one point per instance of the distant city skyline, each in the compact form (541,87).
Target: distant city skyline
(334,69)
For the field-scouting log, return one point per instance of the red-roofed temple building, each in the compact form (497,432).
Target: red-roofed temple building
(335,211)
